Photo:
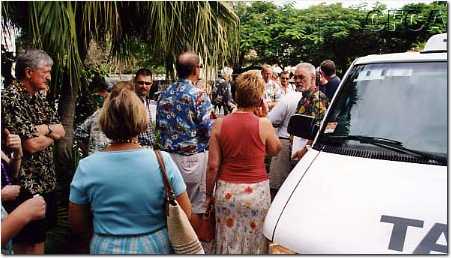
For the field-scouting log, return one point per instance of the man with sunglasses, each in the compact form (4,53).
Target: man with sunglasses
(285,86)
(143,84)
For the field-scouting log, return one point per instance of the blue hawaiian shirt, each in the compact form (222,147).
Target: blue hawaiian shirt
(183,118)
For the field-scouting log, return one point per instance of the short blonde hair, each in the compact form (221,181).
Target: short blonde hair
(249,89)
(123,115)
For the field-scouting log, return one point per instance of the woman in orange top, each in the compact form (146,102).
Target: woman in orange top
(237,149)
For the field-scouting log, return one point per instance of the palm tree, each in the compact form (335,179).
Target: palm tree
(65,29)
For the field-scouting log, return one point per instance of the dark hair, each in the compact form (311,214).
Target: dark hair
(285,72)
(99,83)
(186,64)
(328,67)
(143,72)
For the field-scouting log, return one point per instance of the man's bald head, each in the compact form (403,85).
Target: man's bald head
(186,64)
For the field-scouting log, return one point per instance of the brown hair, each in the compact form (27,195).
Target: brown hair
(123,115)
(249,89)
(328,67)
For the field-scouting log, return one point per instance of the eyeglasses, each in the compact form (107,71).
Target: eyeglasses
(284,78)
(143,82)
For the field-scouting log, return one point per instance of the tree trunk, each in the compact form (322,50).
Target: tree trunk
(59,237)
(64,161)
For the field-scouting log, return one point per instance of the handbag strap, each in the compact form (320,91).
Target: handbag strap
(170,195)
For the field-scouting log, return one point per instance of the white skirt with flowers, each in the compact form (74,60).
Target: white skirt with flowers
(240,213)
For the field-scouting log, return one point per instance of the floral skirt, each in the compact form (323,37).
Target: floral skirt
(153,243)
(240,213)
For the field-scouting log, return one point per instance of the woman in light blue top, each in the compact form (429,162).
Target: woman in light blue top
(117,196)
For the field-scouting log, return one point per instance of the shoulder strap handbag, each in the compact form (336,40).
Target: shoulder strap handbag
(181,234)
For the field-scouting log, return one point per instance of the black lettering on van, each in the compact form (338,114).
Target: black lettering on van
(398,234)
(429,242)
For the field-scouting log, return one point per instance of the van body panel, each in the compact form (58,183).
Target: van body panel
(340,202)
(284,192)
(396,202)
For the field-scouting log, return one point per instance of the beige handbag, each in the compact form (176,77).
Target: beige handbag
(181,234)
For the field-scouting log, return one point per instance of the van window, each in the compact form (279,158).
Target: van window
(402,103)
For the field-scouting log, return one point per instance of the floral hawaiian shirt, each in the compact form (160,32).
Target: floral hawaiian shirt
(90,134)
(21,112)
(313,103)
(183,118)
(273,92)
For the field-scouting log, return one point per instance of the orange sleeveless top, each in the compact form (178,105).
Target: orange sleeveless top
(243,152)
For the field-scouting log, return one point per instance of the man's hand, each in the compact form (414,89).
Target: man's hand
(299,154)
(33,208)
(10,192)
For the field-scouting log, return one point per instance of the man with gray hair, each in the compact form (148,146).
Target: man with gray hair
(313,102)
(26,112)
(280,116)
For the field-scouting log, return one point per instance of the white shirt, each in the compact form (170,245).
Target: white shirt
(282,112)
(272,91)
(290,88)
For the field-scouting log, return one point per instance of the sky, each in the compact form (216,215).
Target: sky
(391,4)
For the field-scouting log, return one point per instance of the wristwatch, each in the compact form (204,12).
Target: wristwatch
(50,129)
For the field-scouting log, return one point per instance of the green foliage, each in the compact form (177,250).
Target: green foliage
(286,36)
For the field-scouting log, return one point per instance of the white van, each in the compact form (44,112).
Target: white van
(375,179)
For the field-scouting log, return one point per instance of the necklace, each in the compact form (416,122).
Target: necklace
(119,141)
(123,144)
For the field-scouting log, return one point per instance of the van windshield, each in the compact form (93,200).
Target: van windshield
(401,103)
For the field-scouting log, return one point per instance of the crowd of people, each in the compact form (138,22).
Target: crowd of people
(117,195)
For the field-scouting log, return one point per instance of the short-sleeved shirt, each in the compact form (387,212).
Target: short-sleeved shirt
(21,112)
(290,88)
(273,92)
(183,118)
(125,190)
(280,115)
(313,103)
(90,134)
(147,138)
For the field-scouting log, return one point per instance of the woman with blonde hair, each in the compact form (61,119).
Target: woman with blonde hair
(237,149)
(117,196)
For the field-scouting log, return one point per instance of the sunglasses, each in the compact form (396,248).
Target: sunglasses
(143,82)
(283,78)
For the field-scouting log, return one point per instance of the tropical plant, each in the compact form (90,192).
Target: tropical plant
(285,35)
(64,29)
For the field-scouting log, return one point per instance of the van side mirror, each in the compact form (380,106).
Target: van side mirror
(303,126)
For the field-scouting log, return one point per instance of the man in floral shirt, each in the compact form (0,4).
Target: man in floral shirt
(183,119)
(313,102)
(26,112)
